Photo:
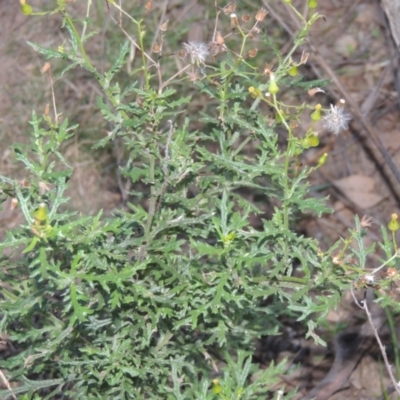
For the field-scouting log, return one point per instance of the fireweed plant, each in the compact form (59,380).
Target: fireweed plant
(166,299)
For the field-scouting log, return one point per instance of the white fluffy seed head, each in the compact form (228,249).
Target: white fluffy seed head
(198,51)
(336,120)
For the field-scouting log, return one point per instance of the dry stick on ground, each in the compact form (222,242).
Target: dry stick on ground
(393,178)
(350,347)
(381,347)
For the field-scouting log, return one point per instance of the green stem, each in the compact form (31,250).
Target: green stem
(153,198)
(243,42)
(152,206)
(395,255)
(392,328)
(144,64)
(79,41)
(89,4)
(394,241)
(89,65)
(347,243)
(287,165)
(243,144)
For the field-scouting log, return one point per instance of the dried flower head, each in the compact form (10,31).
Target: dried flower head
(267,70)
(234,21)
(24,183)
(217,45)
(215,48)
(229,8)
(252,53)
(156,48)
(149,5)
(219,39)
(366,221)
(45,67)
(304,58)
(181,54)
(14,203)
(164,26)
(261,13)
(336,120)
(194,75)
(198,51)
(392,272)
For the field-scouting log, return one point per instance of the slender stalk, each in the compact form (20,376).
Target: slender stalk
(394,241)
(89,65)
(385,263)
(89,4)
(288,156)
(152,207)
(141,44)
(79,41)
(392,328)
(381,347)
(242,145)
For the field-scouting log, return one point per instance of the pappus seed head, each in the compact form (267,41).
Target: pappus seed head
(336,120)
(198,51)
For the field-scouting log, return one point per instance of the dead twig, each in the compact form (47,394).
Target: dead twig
(381,346)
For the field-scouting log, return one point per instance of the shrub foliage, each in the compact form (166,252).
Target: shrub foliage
(177,285)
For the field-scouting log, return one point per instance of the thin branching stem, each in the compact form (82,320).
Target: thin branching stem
(381,347)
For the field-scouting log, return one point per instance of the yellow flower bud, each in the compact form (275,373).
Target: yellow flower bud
(229,238)
(217,388)
(316,115)
(293,71)
(26,9)
(313,140)
(322,159)
(273,87)
(394,223)
(40,214)
(312,3)
(255,92)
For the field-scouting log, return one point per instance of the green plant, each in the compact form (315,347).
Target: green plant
(147,303)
